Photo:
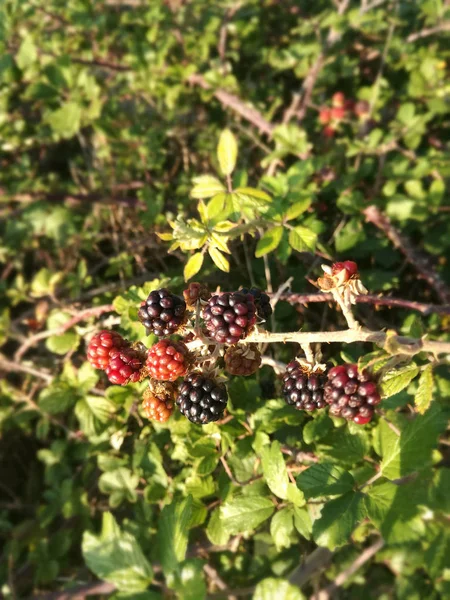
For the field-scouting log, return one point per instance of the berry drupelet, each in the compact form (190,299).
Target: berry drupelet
(242,360)
(262,302)
(351,393)
(100,347)
(201,399)
(125,366)
(230,316)
(168,360)
(303,389)
(162,313)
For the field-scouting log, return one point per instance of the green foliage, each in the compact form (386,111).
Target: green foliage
(146,144)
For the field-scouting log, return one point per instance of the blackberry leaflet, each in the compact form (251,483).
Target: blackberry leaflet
(163,312)
(302,389)
(201,399)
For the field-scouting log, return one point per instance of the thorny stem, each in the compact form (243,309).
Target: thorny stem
(346,310)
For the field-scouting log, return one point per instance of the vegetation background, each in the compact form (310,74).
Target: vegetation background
(108,110)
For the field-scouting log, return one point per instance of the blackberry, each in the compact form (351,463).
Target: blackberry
(242,360)
(162,313)
(195,292)
(167,360)
(125,366)
(262,302)
(351,393)
(100,347)
(230,316)
(345,270)
(302,388)
(158,405)
(201,399)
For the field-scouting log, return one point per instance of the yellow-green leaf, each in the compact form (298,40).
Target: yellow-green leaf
(254,193)
(269,241)
(219,259)
(206,186)
(193,265)
(227,152)
(165,237)
(424,393)
(302,239)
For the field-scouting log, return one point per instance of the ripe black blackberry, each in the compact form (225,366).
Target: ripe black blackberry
(162,313)
(201,399)
(262,302)
(230,316)
(351,393)
(303,388)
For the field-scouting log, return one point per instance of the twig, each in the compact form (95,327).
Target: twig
(315,562)
(445,26)
(278,366)
(425,309)
(97,588)
(12,367)
(82,315)
(371,6)
(351,570)
(420,263)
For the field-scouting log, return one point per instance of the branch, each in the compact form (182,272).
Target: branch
(445,26)
(90,589)
(82,315)
(355,566)
(419,262)
(236,104)
(12,367)
(425,309)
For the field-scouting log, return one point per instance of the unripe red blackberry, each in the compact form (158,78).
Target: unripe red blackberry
(201,398)
(262,302)
(125,366)
(100,347)
(158,406)
(168,360)
(162,313)
(303,388)
(345,270)
(351,393)
(230,316)
(242,360)
(195,292)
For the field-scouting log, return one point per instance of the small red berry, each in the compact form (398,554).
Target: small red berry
(168,360)
(329,131)
(345,270)
(360,420)
(324,116)
(100,347)
(124,366)
(351,267)
(337,113)
(338,100)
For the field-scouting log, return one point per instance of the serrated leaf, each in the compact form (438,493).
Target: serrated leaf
(277,589)
(324,479)
(206,186)
(424,394)
(216,531)
(397,380)
(193,265)
(281,528)
(243,513)
(297,209)
(412,450)
(274,469)
(317,429)
(227,151)
(173,531)
(302,522)
(437,556)
(120,484)
(302,239)
(219,259)
(254,193)
(269,241)
(338,519)
(116,557)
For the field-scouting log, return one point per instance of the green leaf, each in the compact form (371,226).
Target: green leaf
(57,398)
(302,522)
(206,186)
(219,259)
(302,239)
(120,485)
(173,531)
(297,209)
(216,531)
(216,206)
(92,411)
(116,557)
(193,265)
(338,520)
(227,151)
(269,241)
(324,479)
(66,121)
(412,450)
(253,193)
(277,589)
(424,394)
(317,429)
(397,380)
(190,581)
(281,528)
(243,513)
(437,556)
(27,53)
(274,469)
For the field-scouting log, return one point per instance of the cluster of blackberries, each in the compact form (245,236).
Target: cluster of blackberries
(350,393)
(228,317)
